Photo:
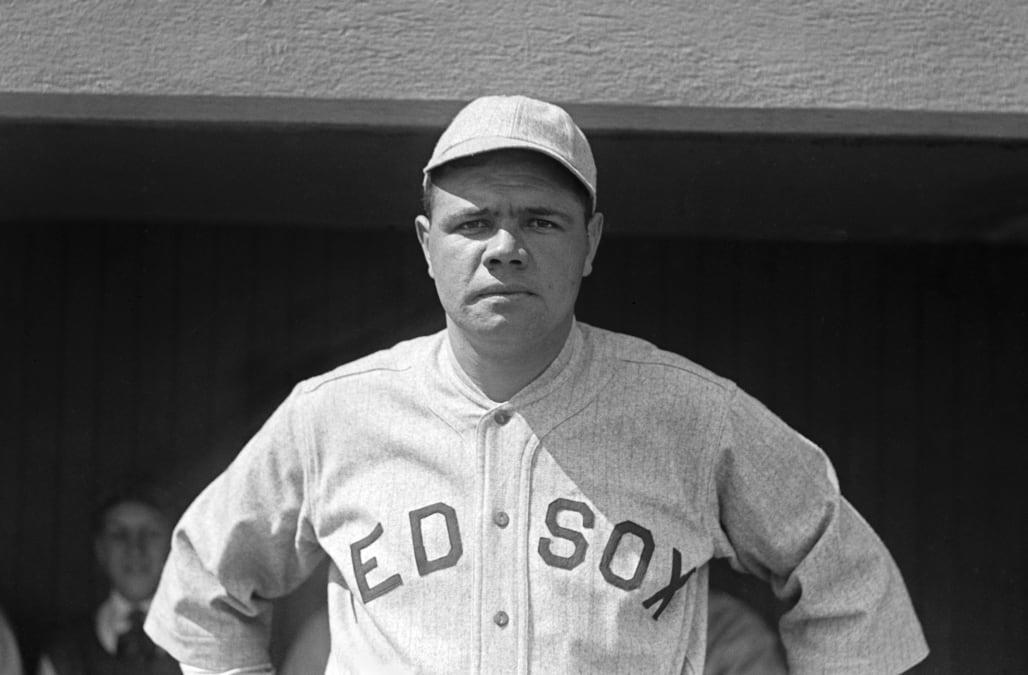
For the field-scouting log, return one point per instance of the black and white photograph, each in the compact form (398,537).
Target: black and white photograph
(542,337)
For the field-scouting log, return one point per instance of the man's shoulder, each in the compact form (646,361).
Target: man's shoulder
(395,360)
(637,355)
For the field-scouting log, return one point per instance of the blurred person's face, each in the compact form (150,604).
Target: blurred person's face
(131,549)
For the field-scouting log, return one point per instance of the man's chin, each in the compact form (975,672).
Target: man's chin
(498,323)
(504,305)
(137,590)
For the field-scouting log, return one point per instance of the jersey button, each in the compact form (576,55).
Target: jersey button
(501,417)
(501,619)
(501,518)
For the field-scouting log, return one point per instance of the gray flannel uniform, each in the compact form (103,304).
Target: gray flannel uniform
(565,530)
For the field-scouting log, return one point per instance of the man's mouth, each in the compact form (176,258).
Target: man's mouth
(503,290)
(500,296)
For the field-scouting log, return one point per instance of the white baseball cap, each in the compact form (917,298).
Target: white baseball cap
(507,122)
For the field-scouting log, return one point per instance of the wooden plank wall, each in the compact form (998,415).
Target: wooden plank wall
(157,350)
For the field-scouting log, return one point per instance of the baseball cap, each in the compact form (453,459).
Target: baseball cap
(508,122)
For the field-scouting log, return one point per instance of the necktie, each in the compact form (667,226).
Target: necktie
(133,644)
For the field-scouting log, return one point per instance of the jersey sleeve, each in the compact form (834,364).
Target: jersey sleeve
(783,519)
(247,538)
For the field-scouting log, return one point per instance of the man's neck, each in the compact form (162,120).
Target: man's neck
(502,370)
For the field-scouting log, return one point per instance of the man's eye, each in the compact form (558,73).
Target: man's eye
(118,536)
(543,224)
(473,225)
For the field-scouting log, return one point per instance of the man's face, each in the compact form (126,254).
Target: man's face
(131,549)
(507,244)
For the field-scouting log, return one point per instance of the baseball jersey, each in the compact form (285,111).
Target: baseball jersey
(565,530)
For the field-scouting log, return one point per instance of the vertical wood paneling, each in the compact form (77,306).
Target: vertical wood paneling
(42,346)
(789,351)
(232,287)
(896,446)
(755,320)
(269,320)
(269,315)
(308,300)
(1009,327)
(13,301)
(118,385)
(14,256)
(643,274)
(350,281)
(827,390)
(312,272)
(713,299)
(81,277)
(156,327)
(861,426)
(194,424)
(974,465)
(935,582)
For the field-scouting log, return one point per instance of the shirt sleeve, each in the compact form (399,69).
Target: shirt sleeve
(783,519)
(246,540)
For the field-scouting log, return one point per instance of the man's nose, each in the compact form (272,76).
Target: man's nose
(505,248)
(137,543)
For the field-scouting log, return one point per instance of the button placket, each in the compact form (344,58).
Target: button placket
(504,437)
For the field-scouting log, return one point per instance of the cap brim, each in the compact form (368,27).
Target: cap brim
(476,146)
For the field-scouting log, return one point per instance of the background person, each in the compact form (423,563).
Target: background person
(132,536)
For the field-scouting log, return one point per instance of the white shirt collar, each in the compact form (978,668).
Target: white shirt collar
(112,619)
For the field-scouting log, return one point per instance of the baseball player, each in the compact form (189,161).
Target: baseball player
(522,492)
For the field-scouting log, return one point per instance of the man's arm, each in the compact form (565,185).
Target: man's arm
(244,541)
(783,519)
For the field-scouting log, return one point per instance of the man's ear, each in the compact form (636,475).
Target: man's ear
(594,231)
(421,227)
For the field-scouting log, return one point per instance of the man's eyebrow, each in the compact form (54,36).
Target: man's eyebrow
(468,212)
(482,212)
(547,211)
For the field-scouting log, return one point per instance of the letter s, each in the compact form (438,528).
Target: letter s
(575,559)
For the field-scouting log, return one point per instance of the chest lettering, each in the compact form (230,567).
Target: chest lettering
(425,566)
